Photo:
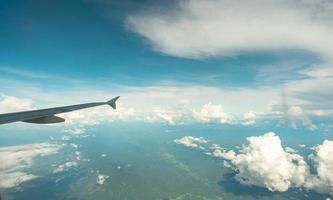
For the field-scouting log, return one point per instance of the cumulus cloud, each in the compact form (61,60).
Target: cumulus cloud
(182,113)
(101,179)
(15,159)
(211,112)
(77,155)
(190,141)
(296,117)
(323,180)
(229,155)
(179,113)
(265,163)
(196,29)
(67,165)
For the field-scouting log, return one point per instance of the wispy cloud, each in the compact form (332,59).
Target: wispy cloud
(16,159)
(177,104)
(25,73)
(196,29)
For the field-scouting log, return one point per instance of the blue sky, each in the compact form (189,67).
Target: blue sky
(176,51)
(80,40)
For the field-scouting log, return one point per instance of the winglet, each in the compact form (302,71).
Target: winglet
(112,102)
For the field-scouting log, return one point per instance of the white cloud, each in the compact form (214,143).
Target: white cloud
(101,179)
(182,113)
(226,164)
(14,104)
(179,113)
(323,159)
(21,156)
(196,28)
(74,145)
(76,131)
(215,146)
(13,179)
(66,138)
(170,116)
(67,165)
(190,141)
(313,90)
(263,162)
(97,115)
(297,117)
(322,113)
(15,159)
(211,112)
(290,150)
(249,118)
(289,115)
(77,155)
(229,155)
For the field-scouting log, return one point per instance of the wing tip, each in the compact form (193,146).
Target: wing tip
(112,102)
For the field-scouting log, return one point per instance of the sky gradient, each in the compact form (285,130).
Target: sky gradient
(263,65)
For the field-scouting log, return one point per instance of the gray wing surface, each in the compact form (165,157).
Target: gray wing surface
(47,116)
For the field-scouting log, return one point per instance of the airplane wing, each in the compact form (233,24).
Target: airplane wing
(47,116)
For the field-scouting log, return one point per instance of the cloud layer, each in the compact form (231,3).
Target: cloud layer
(15,159)
(196,28)
(187,108)
(205,29)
